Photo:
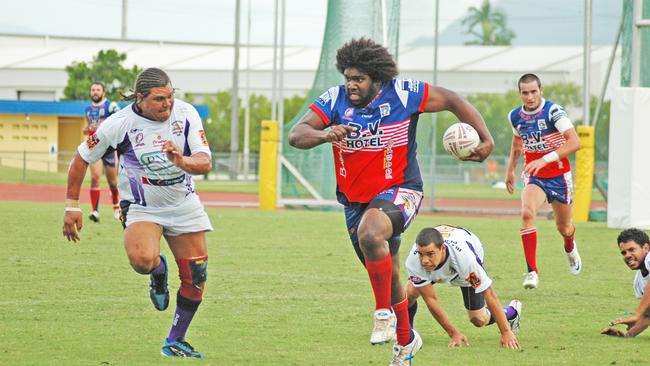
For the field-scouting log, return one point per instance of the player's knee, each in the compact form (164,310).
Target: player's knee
(370,239)
(142,264)
(564,229)
(193,273)
(528,214)
(477,321)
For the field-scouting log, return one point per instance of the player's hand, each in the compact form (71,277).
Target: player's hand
(72,224)
(479,153)
(338,133)
(611,331)
(534,166)
(457,340)
(173,152)
(509,340)
(510,182)
(629,321)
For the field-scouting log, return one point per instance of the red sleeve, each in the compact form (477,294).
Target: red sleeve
(320,114)
(425,96)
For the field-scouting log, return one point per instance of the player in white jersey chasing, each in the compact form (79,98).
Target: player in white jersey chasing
(449,254)
(635,249)
(160,142)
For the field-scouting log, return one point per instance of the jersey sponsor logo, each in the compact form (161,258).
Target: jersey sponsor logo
(204,139)
(384,109)
(348,112)
(411,85)
(155,161)
(139,140)
(533,141)
(158,140)
(177,128)
(388,161)
(359,139)
(416,280)
(409,200)
(541,124)
(473,280)
(92,141)
(324,98)
(164,182)
(342,171)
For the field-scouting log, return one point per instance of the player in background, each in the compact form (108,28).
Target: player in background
(449,254)
(100,109)
(545,134)
(160,142)
(371,123)
(635,249)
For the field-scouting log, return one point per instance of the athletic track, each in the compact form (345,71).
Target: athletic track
(465,207)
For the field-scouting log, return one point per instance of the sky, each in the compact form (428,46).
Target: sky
(557,22)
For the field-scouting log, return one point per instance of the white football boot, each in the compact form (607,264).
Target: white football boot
(403,355)
(384,327)
(531,281)
(575,264)
(514,322)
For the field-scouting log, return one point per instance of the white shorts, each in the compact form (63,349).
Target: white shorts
(188,217)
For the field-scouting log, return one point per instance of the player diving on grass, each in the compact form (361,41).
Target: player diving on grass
(449,254)
(371,122)
(635,249)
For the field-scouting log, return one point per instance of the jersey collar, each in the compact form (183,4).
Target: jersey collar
(541,105)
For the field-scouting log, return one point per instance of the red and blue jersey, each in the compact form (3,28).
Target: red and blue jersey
(97,113)
(541,132)
(381,153)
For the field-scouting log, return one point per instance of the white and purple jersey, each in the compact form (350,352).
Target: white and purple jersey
(146,176)
(641,281)
(462,267)
(541,132)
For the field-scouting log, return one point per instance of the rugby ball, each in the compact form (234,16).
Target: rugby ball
(459,139)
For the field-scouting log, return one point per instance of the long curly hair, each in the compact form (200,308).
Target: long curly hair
(368,57)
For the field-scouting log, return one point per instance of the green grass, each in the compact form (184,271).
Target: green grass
(285,288)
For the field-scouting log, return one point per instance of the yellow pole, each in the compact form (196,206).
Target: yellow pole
(269,165)
(584,174)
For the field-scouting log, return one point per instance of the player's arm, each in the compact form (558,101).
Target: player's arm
(572,144)
(310,132)
(198,163)
(638,322)
(72,220)
(508,339)
(516,149)
(441,99)
(435,308)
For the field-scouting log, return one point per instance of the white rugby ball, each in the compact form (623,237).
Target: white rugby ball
(459,139)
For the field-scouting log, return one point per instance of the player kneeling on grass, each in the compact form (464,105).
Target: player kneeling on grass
(635,249)
(455,255)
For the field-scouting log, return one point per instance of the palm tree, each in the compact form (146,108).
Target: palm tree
(492,23)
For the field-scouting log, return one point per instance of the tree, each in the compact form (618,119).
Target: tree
(492,24)
(106,68)
(217,128)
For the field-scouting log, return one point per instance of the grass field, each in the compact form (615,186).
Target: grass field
(285,288)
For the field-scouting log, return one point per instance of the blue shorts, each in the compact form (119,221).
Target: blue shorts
(558,188)
(406,200)
(109,159)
